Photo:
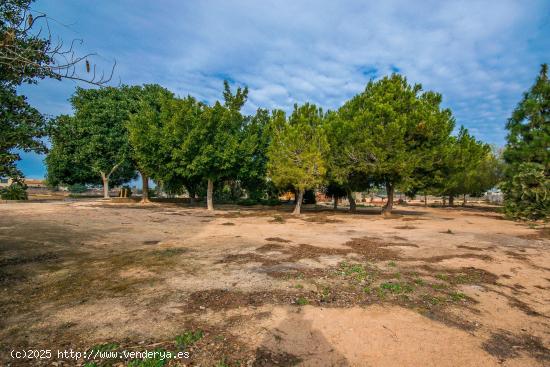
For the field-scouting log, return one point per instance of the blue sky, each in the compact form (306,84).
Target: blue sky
(480,55)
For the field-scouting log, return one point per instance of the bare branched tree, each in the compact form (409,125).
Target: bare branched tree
(28,51)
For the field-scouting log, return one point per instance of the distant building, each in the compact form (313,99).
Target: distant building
(4,182)
(30,182)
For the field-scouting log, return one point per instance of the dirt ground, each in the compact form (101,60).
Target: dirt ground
(258,287)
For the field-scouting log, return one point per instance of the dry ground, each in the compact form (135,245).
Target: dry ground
(251,286)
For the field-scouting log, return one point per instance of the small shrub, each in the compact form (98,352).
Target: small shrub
(188,338)
(247,202)
(15,191)
(77,188)
(302,301)
(392,264)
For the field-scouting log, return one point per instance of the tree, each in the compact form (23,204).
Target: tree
(146,134)
(21,128)
(343,175)
(27,54)
(211,148)
(391,129)
(527,154)
(465,157)
(256,136)
(298,150)
(95,139)
(28,51)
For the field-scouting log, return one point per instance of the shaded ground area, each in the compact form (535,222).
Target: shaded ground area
(258,287)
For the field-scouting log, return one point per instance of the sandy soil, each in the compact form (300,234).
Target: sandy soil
(426,287)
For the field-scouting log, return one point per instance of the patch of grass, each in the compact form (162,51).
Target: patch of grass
(358,271)
(442,277)
(367,290)
(90,364)
(170,251)
(392,264)
(419,281)
(397,288)
(221,363)
(278,219)
(432,300)
(397,275)
(302,301)
(188,338)
(299,286)
(457,296)
(439,286)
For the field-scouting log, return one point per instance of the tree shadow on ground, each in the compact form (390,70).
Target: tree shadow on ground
(295,341)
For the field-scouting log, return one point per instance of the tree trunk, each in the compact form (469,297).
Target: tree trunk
(451,200)
(389,204)
(351,199)
(335,202)
(425,199)
(145,188)
(299,199)
(464,201)
(191,197)
(209,194)
(105,180)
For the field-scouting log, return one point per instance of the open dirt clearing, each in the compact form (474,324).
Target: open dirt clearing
(427,287)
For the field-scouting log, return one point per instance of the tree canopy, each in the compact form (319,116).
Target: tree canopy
(93,144)
(298,150)
(527,153)
(390,131)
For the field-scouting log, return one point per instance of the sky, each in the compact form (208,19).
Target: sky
(480,55)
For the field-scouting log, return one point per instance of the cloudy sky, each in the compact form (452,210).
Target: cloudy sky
(480,55)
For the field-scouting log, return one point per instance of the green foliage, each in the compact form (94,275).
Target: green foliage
(390,132)
(94,142)
(77,188)
(528,192)
(15,191)
(470,167)
(255,139)
(188,338)
(21,126)
(298,148)
(149,136)
(527,154)
(17,38)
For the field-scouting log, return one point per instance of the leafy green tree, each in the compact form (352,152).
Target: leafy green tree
(343,175)
(527,154)
(95,139)
(211,148)
(391,130)
(465,160)
(21,128)
(146,133)
(256,136)
(28,53)
(16,191)
(298,150)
